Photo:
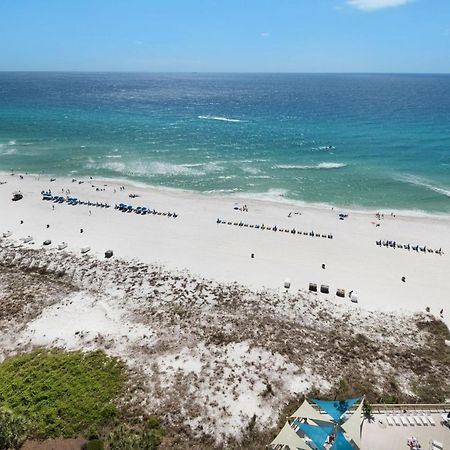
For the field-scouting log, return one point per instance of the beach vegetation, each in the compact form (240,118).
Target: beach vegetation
(61,394)
(148,437)
(13,430)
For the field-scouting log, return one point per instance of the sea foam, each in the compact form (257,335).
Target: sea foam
(223,119)
(422,182)
(322,165)
(155,168)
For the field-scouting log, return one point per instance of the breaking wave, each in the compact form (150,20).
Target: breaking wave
(8,151)
(223,119)
(418,181)
(155,168)
(322,165)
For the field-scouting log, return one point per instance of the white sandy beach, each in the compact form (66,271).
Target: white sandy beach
(194,240)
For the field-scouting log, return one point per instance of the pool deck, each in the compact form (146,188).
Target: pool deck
(380,435)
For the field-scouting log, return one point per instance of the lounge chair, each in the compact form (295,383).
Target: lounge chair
(431,420)
(85,249)
(417,420)
(404,421)
(62,246)
(410,420)
(389,420)
(396,420)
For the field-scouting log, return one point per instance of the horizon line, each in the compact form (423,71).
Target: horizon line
(192,72)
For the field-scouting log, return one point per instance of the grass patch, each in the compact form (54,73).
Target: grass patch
(61,393)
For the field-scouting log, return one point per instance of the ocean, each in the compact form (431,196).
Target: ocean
(372,141)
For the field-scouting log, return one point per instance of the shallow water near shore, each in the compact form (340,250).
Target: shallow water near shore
(369,141)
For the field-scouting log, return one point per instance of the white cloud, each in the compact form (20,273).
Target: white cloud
(372,5)
(265,35)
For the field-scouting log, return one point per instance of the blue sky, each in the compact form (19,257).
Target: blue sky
(226,35)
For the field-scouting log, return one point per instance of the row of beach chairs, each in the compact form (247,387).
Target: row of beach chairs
(142,210)
(415,248)
(275,228)
(72,201)
(410,419)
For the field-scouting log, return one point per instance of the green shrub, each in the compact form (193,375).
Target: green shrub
(61,393)
(94,444)
(13,430)
(148,438)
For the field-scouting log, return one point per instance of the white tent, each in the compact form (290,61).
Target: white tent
(287,437)
(306,411)
(352,426)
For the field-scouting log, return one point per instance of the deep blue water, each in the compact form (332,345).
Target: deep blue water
(378,141)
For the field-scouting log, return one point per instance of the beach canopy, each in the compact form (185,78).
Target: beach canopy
(289,438)
(335,408)
(306,411)
(317,433)
(340,443)
(352,426)
(346,431)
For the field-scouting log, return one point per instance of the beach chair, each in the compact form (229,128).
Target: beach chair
(410,420)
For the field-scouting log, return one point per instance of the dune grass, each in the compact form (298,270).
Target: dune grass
(61,393)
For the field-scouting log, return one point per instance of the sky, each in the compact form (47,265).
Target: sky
(226,35)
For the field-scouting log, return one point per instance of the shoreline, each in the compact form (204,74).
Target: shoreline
(266,197)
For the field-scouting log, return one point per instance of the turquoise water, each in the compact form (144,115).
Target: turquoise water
(373,141)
